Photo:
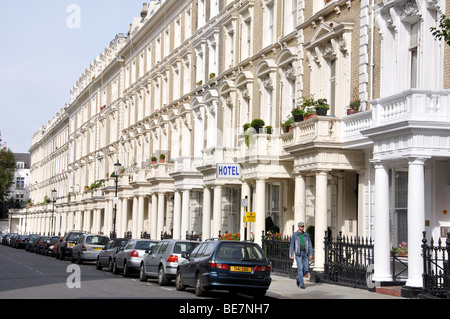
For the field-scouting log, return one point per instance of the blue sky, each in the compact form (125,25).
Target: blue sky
(45,45)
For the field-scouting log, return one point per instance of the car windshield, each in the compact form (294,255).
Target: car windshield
(184,248)
(239,252)
(97,240)
(144,245)
(120,243)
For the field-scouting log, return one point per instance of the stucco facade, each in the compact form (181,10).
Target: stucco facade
(190,75)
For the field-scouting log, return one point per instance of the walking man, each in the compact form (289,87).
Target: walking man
(302,250)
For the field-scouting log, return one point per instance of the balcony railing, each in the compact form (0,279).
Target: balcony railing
(412,105)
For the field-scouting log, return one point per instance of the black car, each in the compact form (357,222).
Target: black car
(31,240)
(67,243)
(34,245)
(40,244)
(21,241)
(225,265)
(106,257)
(47,245)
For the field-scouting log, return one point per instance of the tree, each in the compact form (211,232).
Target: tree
(443,31)
(7,170)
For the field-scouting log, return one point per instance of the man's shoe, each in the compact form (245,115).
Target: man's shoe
(302,287)
(298,282)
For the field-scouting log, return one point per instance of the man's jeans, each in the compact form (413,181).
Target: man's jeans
(302,266)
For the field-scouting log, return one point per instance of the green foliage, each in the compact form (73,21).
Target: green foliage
(443,31)
(7,170)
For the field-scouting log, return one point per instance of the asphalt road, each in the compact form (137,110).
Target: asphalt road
(28,275)
(25,275)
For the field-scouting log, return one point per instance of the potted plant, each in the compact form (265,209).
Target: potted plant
(308,106)
(298,113)
(153,160)
(322,107)
(257,124)
(269,129)
(162,157)
(355,103)
(286,125)
(212,75)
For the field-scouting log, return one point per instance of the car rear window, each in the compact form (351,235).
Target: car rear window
(144,245)
(74,236)
(184,248)
(240,252)
(97,240)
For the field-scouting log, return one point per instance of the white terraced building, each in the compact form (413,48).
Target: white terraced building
(190,74)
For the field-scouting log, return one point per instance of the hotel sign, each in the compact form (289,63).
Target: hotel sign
(228,170)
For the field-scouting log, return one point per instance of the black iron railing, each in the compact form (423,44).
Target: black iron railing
(277,250)
(436,272)
(347,260)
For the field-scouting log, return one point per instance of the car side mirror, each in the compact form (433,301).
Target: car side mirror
(185,255)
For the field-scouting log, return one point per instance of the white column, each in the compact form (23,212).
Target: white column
(177,215)
(87,220)
(299,200)
(206,218)
(154,218)
(124,217)
(140,216)
(416,220)
(217,211)
(134,218)
(382,267)
(320,219)
(245,192)
(260,209)
(161,208)
(185,216)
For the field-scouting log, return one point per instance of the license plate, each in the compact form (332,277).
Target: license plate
(240,269)
(71,245)
(97,248)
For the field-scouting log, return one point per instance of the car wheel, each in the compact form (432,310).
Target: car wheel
(162,279)
(110,265)
(142,275)
(178,285)
(126,270)
(98,265)
(199,290)
(114,269)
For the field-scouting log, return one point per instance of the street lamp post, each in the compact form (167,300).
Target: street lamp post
(117,168)
(53,211)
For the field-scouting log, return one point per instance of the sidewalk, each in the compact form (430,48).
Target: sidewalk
(285,288)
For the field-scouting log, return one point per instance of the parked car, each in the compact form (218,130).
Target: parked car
(40,244)
(67,243)
(55,246)
(32,239)
(21,241)
(106,257)
(88,246)
(2,236)
(162,261)
(128,259)
(9,236)
(47,246)
(34,245)
(13,239)
(225,265)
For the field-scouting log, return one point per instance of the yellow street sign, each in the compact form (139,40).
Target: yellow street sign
(250,217)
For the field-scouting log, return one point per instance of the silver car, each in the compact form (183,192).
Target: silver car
(162,261)
(106,256)
(88,246)
(128,259)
